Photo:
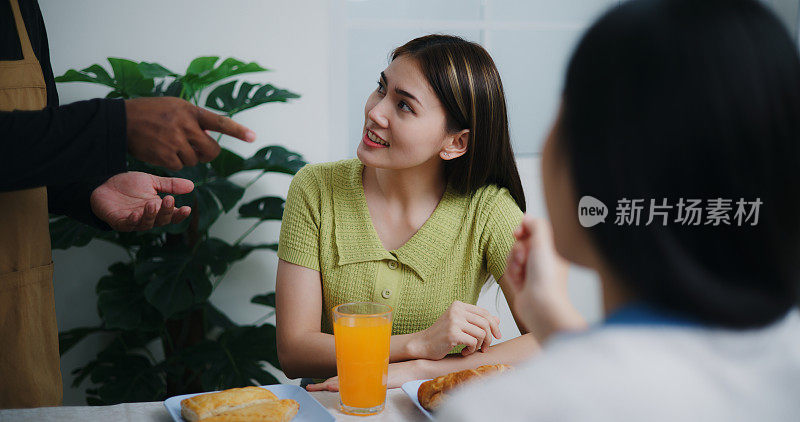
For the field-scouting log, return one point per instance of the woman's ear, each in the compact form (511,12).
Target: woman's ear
(456,145)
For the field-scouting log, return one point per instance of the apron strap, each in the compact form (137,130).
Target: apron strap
(24,40)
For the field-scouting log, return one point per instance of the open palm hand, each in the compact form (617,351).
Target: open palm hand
(130,201)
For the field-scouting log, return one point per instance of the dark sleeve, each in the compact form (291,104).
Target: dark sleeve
(71,149)
(73,200)
(62,145)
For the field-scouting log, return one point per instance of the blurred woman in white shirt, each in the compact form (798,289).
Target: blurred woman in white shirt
(688,111)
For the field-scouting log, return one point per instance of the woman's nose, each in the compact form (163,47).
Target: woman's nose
(377,115)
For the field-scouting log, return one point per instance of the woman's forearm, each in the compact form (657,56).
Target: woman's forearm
(510,352)
(308,355)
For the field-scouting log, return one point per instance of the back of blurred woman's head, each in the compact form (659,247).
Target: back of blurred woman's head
(679,100)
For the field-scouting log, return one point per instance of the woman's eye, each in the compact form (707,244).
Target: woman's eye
(404,106)
(380,87)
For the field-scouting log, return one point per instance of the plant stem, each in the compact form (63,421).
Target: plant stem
(236,243)
(264,318)
(246,233)
(254,180)
(222,277)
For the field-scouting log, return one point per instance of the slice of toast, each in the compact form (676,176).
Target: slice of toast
(207,405)
(274,411)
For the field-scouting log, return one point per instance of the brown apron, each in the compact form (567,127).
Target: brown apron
(30,374)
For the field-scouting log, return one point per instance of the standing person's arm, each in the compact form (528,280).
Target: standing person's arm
(62,145)
(72,200)
(88,139)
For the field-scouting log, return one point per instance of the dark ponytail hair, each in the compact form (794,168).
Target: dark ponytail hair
(466,81)
(692,99)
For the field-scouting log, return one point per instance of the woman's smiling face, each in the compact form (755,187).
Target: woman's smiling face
(404,121)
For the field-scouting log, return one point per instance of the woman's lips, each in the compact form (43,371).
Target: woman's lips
(368,142)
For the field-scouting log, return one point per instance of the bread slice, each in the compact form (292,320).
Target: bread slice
(274,411)
(212,404)
(432,393)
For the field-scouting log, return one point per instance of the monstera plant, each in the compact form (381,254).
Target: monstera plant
(166,337)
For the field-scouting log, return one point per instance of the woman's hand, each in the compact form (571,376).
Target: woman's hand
(462,323)
(399,374)
(539,277)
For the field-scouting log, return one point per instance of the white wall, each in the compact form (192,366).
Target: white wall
(293,37)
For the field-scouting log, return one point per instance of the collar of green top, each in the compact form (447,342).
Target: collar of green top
(358,241)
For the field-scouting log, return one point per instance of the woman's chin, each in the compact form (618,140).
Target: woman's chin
(367,157)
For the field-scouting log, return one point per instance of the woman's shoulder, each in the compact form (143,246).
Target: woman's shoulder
(492,205)
(320,170)
(490,197)
(324,175)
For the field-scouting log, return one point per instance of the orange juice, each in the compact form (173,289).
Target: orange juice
(362,358)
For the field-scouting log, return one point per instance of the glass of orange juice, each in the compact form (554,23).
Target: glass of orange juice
(362,331)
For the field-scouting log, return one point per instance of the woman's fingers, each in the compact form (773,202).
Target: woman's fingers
(331,384)
(494,322)
(478,333)
(485,328)
(471,343)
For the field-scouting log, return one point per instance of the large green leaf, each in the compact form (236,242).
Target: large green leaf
(227,192)
(121,302)
(275,159)
(174,281)
(67,339)
(227,163)
(197,173)
(92,74)
(166,88)
(207,208)
(124,377)
(129,79)
(201,65)
(266,300)
(218,254)
(235,358)
(223,98)
(266,208)
(154,70)
(66,233)
(202,71)
(216,318)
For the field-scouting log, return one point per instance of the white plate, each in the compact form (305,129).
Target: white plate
(410,388)
(310,409)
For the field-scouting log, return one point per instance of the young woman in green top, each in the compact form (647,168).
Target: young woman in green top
(419,221)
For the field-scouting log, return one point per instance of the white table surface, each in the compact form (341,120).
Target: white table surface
(398,408)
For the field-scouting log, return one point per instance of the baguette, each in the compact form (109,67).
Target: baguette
(432,393)
(212,404)
(273,411)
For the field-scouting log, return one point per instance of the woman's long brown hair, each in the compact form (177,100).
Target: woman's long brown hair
(464,77)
